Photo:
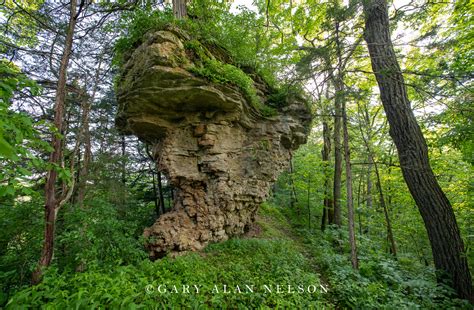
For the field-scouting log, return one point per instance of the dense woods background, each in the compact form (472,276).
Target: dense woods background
(359,210)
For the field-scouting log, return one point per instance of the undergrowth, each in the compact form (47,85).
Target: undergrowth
(380,283)
(271,260)
(284,253)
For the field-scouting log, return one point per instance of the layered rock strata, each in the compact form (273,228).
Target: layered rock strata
(218,151)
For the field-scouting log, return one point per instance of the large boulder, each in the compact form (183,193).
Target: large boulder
(218,151)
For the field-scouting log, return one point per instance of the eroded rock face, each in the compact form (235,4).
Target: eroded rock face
(218,152)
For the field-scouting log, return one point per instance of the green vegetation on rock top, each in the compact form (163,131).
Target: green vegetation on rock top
(216,57)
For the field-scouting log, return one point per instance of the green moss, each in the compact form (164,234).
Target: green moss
(219,72)
(268,111)
(265,145)
(134,27)
(222,73)
(200,52)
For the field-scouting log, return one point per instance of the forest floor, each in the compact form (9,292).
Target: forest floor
(272,259)
(280,263)
(271,223)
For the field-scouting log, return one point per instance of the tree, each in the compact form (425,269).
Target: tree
(364,120)
(52,202)
(328,214)
(436,211)
(350,203)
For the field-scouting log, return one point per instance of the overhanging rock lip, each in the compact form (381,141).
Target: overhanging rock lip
(179,99)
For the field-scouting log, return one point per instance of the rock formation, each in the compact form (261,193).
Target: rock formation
(218,151)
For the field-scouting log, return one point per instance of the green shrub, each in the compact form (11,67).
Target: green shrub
(21,227)
(99,234)
(134,26)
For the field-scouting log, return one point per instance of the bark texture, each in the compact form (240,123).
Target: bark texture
(179,9)
(436,211)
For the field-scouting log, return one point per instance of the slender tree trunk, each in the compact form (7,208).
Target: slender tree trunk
(160,191)
(358,202)
(371,161)
(337,154)
(124,167)
(369,185)
(436,211)
(78,177)
(308,205)
(338,81)
(391,239)
(369,200)
(86,136)
(328,214)
(65,132)
(293,197)
(52,202)
(350,204)
(155,194)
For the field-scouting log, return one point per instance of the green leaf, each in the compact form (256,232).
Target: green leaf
(6,150)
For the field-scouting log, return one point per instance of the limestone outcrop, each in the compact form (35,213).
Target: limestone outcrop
(218,151)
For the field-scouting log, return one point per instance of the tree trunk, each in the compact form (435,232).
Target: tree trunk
(369,184)
(371,161)
(86,136)
(51,201)
(436,211)
(293,197)
(328,214)
(358,202)
(86,139)
(337,153)
(308,205)
(338,81)
(156,200)
(160,192)
(391,239)
(179,9)
(350,205)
